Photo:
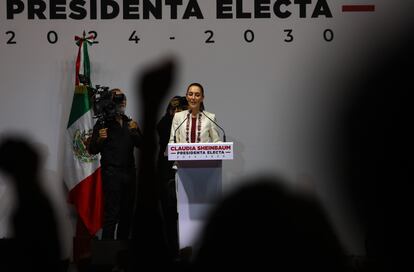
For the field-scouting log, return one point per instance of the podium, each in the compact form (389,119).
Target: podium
(198,183)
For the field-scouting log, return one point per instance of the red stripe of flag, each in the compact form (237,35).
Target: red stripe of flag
(358,8)
(88,200)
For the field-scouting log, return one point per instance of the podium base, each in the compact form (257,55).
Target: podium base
(199,186)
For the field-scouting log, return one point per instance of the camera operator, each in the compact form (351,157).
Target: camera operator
(114,137)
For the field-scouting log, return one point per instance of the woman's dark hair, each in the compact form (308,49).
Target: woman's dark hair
(197,85)
(174,102)
(202,92)
(177,101)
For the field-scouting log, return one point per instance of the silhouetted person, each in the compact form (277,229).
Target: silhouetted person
(264,226)
(372,152)
(150,246)
(36,245)
(166,173)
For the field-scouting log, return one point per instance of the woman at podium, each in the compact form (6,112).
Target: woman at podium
(194,125)
(198,182)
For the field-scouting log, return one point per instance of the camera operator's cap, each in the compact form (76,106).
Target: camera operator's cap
(116,90)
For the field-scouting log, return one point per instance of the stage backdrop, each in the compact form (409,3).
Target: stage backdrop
(272,72)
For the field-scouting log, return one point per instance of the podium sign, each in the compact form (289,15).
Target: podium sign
(200,151)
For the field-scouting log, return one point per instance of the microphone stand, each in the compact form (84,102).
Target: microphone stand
(175,131)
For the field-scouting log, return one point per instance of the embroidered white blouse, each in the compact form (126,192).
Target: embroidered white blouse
(207,132)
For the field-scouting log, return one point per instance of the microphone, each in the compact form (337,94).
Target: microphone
(175,131)
(224,133)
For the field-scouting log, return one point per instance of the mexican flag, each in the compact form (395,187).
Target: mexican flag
(82,171)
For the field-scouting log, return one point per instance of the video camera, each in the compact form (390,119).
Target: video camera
(105,104)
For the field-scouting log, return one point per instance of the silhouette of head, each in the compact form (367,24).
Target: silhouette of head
(264,225)
(18,158)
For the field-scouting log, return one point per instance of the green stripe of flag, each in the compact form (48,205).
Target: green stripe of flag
(80,104)
(86,63)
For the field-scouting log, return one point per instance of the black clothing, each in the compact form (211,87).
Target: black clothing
(164,165)
(118,149)
(119,187)
(118,174)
